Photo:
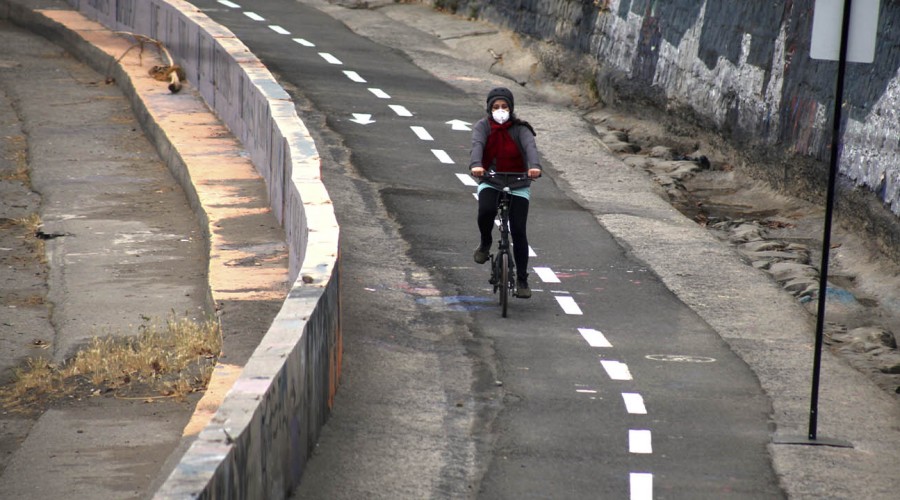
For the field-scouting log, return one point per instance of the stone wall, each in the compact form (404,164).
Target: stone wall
(742,67)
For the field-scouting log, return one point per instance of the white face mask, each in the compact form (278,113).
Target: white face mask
(500,115)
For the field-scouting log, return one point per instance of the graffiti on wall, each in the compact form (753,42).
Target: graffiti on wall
(744,66)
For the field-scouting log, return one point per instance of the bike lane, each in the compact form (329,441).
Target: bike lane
(612,387)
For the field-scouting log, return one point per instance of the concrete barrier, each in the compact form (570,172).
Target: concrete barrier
(257,443)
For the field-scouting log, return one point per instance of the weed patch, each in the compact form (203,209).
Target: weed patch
(32,225)
(19,157)
(169,360)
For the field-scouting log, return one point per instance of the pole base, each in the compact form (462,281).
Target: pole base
(819,441)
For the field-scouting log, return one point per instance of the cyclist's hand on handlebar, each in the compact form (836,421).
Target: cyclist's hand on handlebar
(477,171)
(534,173)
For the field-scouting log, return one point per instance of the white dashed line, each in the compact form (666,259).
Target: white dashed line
(421,133)
(467,180)
(442,156)
(594,338)
(229,4)
(546,274)
(616,370)
(634,403)
(330,58)
(354,76)
(400,110)
(641,486)
(569,306)
(639,441)
(254,16)
(279,29)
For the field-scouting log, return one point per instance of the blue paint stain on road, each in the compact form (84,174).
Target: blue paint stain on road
(462,303)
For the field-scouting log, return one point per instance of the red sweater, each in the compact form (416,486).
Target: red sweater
(502,149)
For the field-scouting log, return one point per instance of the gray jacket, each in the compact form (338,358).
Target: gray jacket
(520,134)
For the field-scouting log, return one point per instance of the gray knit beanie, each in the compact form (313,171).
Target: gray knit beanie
(500,93)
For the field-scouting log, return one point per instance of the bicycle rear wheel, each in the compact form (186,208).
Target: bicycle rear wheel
(504,282)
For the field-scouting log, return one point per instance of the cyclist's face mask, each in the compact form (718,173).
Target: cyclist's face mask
(500,112)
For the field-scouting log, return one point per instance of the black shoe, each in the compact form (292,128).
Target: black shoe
(482,254)
(522,290)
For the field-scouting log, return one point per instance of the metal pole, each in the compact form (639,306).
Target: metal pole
(829,211)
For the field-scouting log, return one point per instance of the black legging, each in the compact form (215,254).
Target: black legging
(518,221)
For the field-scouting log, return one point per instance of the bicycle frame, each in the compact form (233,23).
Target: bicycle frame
(502,264)
(503,274)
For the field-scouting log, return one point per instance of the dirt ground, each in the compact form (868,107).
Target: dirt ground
(23,272)
(22,268)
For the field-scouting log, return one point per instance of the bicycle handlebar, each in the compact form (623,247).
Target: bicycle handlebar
(506,180)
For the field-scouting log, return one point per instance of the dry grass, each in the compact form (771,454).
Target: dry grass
(170,360)
(27,301)
(19,156)
(32,224)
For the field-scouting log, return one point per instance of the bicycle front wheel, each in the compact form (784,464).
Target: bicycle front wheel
(504,282)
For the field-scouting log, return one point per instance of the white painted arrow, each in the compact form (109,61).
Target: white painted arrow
(459,125)
(362,119)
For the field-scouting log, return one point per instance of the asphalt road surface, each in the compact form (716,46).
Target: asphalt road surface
(603,385)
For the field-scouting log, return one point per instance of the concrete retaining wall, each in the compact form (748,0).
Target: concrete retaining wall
(743,67)
(257,443)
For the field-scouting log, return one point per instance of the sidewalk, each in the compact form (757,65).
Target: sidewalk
(133,247)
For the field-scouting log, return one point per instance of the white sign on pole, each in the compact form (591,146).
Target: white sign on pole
(826,34)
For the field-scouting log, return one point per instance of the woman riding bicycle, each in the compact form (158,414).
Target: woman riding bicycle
(503,143)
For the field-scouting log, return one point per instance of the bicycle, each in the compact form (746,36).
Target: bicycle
(503,271)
